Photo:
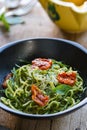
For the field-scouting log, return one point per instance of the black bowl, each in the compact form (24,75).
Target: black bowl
(66,51)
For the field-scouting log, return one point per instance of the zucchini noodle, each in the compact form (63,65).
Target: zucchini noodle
(18,94)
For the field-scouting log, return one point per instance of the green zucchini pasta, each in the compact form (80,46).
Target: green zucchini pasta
(18,93)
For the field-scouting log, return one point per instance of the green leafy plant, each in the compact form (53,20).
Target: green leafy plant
(4,22)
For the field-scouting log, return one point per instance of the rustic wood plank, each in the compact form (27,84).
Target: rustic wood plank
(35,124)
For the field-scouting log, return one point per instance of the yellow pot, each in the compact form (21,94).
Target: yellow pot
(67,15)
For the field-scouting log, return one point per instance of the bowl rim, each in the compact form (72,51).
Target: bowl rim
(74,43)
(17,112)
(58,114)
(79,9)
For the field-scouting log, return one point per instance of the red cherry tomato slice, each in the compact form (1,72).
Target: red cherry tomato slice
(38,96)
(42,63)
(4,84)
(67,78)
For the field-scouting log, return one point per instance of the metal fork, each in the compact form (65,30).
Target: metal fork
(21,10)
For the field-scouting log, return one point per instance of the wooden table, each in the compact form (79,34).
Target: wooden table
(38,24)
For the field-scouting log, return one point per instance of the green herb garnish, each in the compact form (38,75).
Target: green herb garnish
(4,21)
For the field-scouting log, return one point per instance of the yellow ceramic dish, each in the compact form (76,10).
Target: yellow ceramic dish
(67,15)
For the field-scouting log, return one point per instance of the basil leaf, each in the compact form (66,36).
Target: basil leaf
(4,21)
(62,89)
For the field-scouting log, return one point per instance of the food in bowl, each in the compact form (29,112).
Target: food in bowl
(44,86)
(16,54)
(77,2)
(68,15)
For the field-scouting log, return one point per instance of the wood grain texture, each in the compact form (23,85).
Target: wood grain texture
(38,24)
